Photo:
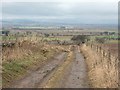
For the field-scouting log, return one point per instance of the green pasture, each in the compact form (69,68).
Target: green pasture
(7,38)
(113,41)
(108,37)
(61,38)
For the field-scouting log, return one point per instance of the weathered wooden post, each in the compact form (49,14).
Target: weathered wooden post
(91,45)
(96,48)
(108,59)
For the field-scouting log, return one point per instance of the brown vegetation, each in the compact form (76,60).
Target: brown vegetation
(28,55)
(102,72)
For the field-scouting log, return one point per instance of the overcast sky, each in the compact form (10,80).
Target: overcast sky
(94,12)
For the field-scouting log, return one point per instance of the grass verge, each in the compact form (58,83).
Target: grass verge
(18,61)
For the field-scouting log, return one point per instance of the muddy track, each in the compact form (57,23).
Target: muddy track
(67,70)
(38,76)
(57,77)
(78,74)
(74,74)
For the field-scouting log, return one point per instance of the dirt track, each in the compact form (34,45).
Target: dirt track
(78,75)
(73,76)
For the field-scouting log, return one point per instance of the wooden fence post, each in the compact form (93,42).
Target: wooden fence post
(91,45)
(97,48)
(109,59)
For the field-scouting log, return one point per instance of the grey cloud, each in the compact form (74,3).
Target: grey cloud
(66,12)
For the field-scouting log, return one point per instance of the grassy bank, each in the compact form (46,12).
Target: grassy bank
(18,60)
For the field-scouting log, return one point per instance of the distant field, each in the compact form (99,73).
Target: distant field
(112,46)
(113,42)
(109,37)
(61,38)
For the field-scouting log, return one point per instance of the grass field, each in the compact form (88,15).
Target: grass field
(61,38)
(108,36)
